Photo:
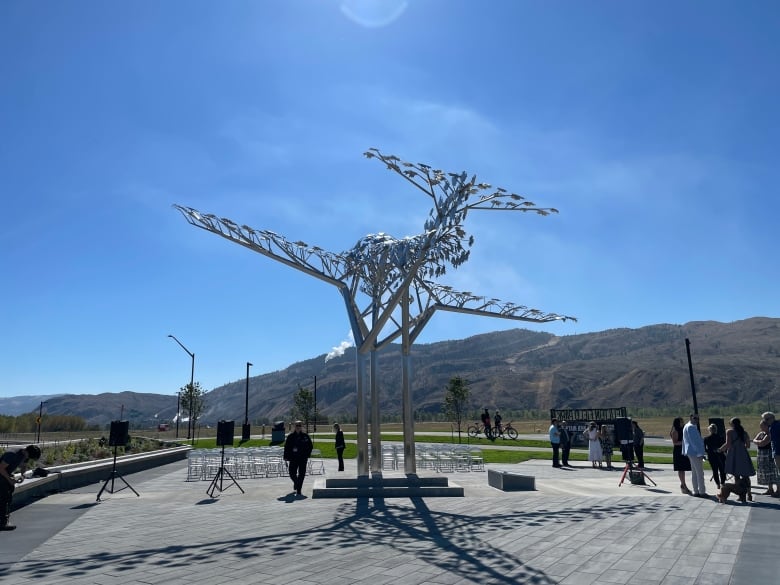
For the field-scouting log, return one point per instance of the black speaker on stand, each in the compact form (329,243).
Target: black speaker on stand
(625,436)
(117,438)
(225,431)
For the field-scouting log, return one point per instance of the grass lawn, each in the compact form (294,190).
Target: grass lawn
(325,443)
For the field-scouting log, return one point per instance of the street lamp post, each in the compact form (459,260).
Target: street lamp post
(245,430)
(192,388)
(40,418)
(315,404)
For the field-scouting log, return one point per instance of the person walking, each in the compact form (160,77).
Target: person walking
(638,443)
(565,443)
(680,463)
(693,449)
(340,445)
(11,460)
(717,460)
(555,441)
(297,448)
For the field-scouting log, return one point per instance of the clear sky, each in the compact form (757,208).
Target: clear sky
(652,127)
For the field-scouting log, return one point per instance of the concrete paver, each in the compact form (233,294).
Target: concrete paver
(577,528)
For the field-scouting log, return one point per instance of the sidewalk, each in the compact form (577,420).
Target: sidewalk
(578,528)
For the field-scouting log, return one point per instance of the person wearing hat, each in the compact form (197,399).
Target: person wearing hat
(9,462)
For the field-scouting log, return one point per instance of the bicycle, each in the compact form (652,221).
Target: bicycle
(476,430)
(505,429)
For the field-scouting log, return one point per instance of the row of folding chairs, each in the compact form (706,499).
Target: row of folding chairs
(449,458)
(438,457)
(245,463)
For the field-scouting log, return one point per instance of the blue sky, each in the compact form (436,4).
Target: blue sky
(651,126)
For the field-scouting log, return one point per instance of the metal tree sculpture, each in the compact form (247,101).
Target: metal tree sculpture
(381,276)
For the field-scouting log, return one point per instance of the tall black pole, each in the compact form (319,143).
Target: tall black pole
(315,404)
(246,399)
(192,390)
(690,371)
(190,422)
(40,418)
(178,411)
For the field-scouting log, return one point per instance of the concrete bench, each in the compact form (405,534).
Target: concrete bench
(508,481)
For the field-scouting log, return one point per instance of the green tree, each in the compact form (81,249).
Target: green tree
(192,402)
(303,406)
(456,400)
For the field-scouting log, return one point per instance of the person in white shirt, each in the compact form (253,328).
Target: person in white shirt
(693,448)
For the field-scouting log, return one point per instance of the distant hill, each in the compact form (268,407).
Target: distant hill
(733,363)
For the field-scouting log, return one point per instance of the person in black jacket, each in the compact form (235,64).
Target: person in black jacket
(712,445)
(340,445)
(297,448)
(9,462)
(565,443)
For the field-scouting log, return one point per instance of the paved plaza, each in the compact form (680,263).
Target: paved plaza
(577,528)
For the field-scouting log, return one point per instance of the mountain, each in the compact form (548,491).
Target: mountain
(733,363)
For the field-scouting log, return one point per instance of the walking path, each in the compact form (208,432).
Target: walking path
(577,528)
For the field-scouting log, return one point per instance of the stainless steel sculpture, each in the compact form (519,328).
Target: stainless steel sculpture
(385,282)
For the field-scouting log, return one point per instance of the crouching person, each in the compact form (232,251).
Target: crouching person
(10,461)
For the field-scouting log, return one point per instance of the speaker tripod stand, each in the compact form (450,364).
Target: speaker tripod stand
(220,476)
(114,475)
(630,470)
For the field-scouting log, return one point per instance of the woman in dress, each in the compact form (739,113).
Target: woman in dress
(767,470)
(738,461)
(605,438)
(680,462)
(594,444)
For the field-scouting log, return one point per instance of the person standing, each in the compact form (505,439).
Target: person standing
(738,461)
(555,441)
(717,460)
(594,444)
(297,448)
(486,424)
(340,445)
(11,460)
(638,443)
(565,443)
(693,449)
(497,422)
(605,438)
(774,436)
(680,462)
(767,470)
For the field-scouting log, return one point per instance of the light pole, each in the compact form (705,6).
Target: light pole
(315,404)
(192,388)
(246,428)
(40,416)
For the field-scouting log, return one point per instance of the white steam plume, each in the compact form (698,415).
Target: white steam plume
(341,347)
